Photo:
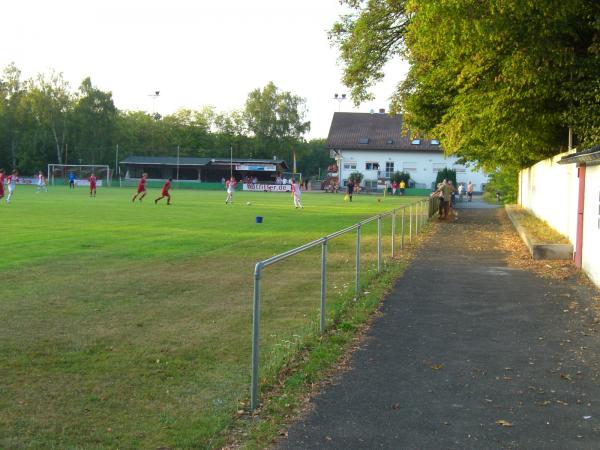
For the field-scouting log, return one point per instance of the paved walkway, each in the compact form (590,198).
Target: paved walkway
(468,353)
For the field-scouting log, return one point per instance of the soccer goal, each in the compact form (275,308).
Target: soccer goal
(62,173)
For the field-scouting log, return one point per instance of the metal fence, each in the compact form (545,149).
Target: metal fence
(411,218)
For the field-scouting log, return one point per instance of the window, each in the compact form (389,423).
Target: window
(389,169)
(363,140)
(460,169)
(438,167)
(416,142)
(409,167)
(350,166)
(372,166)
(435,142)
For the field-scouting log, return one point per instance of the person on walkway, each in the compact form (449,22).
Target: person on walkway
(439,193)
(449,206)
(394,187)
(469,191)
(350,189)
(165,192)
(402,187)
(296,194)
(461,191)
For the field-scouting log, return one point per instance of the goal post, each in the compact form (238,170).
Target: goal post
(60,173)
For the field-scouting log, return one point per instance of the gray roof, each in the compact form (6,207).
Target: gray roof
(590,155)
(190,161)
(373,131)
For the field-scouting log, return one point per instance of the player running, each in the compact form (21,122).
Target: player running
(230,184)
(1,183)
(165,192)
(12,183)
(296,194)
(141,189)
(41,183)
(92,179)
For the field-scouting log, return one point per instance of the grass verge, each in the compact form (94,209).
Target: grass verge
(285,397)
(539,230)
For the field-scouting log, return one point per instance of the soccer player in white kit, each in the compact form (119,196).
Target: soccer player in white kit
(230,188)
(296,194)
(41,183)
(12,182)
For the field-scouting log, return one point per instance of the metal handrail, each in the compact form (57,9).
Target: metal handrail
(419,221)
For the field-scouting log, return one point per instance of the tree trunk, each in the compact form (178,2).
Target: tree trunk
(13,151)
(58,146)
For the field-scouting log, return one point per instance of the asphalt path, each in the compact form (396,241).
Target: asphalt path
(467,353)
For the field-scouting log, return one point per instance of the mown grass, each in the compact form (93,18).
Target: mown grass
(128,325)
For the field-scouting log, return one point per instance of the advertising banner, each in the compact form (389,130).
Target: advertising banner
(267,187)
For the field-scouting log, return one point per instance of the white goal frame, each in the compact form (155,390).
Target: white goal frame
(77,168)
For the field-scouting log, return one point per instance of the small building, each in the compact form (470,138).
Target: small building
(373,144)
(202,169)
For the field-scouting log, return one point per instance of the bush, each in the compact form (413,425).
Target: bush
(400,176)
(506,182)
(446,174)
(356,177)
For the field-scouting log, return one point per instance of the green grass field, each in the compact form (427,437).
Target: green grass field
(128,325)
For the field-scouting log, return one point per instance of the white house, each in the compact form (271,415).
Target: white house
(373,144)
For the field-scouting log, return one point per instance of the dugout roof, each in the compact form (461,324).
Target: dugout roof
(171,161)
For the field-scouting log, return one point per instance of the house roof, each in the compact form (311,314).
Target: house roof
(373,131)
(590,155)
(190,161)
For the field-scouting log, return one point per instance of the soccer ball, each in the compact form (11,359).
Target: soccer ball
(248,203)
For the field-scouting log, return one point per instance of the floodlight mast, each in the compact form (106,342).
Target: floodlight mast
(340,98)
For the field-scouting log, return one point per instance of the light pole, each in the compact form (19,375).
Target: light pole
(154,97)
(340,98)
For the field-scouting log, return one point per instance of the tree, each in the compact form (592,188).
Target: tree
(499,82)
(276,119)
(400,176)
(51,103)
(356,177)
(93,123)
(446,174)
(11,96)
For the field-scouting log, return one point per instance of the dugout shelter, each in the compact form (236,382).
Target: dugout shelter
(201,170)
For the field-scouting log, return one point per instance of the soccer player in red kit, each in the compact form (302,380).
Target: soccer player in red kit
(141,189)
(1,183)
(92,180)
(165,192)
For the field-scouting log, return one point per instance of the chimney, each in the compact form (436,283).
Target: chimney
(381,110)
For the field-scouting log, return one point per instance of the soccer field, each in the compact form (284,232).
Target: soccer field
(127,325)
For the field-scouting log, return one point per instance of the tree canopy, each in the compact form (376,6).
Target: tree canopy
(498,82)
(43,120)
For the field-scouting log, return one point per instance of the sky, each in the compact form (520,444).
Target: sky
(195,52)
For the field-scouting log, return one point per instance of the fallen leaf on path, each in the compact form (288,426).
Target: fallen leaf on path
(436,366)
(396,406)
(566,376)
(543,403)
(504,423)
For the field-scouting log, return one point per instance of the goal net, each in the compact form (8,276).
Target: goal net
(62,174)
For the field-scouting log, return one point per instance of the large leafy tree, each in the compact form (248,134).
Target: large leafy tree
(275,118)
(500,82)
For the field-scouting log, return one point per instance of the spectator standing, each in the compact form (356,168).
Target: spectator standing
(402,187)
(469,191)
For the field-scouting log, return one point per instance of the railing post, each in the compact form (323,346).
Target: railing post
(394,233)
(416,218)
(410,224)
(255,337)
(378,244)
(323,285)
(357,287)
(402,235)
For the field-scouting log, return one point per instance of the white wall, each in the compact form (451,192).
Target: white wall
(424,163)
(591,224)
(551,191)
